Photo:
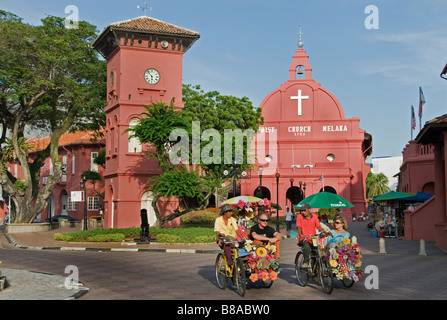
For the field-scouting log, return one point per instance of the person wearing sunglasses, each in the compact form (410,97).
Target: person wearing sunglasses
(339,232)
(263,233)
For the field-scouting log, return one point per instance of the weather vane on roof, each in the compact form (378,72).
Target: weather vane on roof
(144,8)
(300,42)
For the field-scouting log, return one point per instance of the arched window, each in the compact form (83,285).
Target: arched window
(134,143)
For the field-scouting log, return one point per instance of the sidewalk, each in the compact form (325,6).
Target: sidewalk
(27,285)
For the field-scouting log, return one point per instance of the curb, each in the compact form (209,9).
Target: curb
(190,251)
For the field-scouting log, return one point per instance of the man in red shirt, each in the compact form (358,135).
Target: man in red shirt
(307,224)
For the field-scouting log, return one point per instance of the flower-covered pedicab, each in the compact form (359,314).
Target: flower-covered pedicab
(261,263)
(257,262)
(346,261)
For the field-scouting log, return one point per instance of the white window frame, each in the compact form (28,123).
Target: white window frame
(93,166)
(93,203)
(134,144)
(73,162)
(71,205)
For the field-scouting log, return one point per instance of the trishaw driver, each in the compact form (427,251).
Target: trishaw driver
(227,225)
(306,224)
(263,233)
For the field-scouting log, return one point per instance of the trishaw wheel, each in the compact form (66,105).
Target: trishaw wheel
(221,271)
(239,276)
(300,272)
(326,276)
(348,283)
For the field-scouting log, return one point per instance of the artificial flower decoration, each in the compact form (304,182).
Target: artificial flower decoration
(261,252)
(346,260)
(262,264)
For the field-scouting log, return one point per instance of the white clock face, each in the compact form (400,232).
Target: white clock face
(151,76)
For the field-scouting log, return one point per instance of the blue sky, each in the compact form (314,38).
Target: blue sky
(246,46)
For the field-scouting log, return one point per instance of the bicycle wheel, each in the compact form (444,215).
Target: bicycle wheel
(239,276)
(221,272)
(348,283)
(326,276)
(267,284)
(302,275)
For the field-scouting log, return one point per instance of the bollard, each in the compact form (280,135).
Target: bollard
(354,240)
(382,245)
(422,248)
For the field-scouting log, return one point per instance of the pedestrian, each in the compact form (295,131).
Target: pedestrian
(289,219)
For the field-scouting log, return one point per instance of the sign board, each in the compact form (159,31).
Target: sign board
(77,196)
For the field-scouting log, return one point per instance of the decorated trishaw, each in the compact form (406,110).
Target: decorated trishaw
(344,256)
(261,263)
(258,263)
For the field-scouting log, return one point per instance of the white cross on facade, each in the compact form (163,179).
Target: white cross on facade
(299,97)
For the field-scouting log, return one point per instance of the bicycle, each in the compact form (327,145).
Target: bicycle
(235,270)
(318,266)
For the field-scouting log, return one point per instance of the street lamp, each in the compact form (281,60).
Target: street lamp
(260,180)
(83,183)
(277,175)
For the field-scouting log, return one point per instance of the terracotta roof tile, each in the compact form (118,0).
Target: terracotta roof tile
(148,24)
(438,120)
(78,137)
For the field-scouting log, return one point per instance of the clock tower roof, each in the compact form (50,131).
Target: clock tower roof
(152,25)
(142,27)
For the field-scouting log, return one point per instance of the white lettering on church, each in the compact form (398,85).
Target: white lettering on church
(299,97)
(335,128)
(299,130)
(266,129)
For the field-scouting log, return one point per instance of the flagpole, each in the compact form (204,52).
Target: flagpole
(411,121)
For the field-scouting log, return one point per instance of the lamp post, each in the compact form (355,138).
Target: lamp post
(277,175)
(260,180)
(304,190)
(83,183)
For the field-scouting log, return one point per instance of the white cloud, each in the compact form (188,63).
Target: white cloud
(408,58)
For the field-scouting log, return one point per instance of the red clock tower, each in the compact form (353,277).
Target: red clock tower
(144,65)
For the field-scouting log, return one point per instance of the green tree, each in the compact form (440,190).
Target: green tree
(222,112)
(155,128)
(51,79)
(376,184)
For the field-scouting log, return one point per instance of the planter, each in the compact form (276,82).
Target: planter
(27,227)
(382,234)
(374,234)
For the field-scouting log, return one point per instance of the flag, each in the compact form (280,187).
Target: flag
(421,101)
(319,179)
(413,118)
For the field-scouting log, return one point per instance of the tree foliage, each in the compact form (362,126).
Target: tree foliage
(222,112)
(51,79)
(376,184)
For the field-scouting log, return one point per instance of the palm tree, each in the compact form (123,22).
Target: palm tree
(376,184)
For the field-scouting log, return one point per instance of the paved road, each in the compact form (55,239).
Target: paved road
(402,273)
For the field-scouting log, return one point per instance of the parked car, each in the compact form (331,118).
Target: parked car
(56,218)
